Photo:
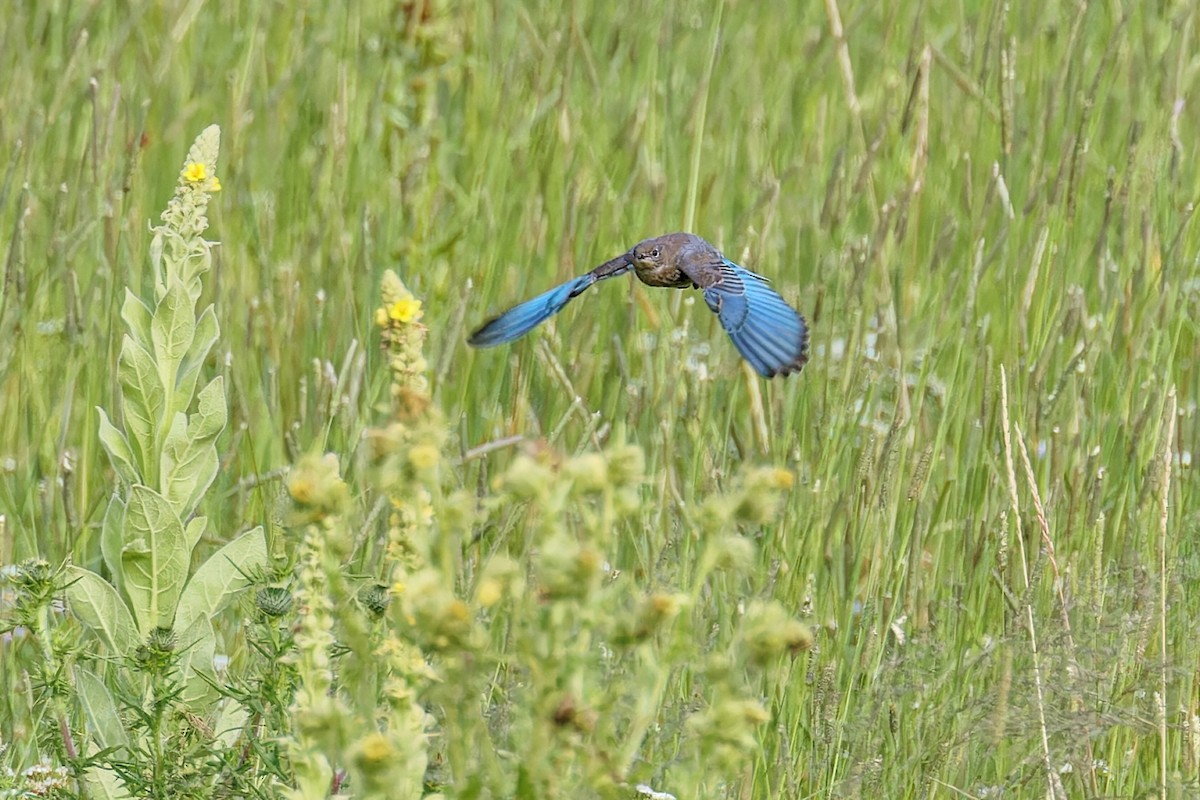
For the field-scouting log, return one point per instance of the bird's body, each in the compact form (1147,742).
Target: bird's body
(764,328)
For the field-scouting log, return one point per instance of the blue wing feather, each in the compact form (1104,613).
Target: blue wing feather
(764,328)
(521,319)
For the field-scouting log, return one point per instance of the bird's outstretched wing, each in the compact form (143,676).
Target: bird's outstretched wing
(768,332)
(521,319)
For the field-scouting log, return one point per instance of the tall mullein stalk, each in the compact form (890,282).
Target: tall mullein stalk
(362,722)
(151,610)
(342,730)
(408,448)
(321,723)
(416,567)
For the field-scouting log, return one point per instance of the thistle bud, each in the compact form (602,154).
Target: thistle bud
(273,601)
(375,598)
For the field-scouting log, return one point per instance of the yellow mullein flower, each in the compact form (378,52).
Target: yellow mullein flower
(214,185)
(406,309)
(194,172)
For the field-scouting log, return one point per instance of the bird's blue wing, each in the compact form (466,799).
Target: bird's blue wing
(521,319)
(768,332)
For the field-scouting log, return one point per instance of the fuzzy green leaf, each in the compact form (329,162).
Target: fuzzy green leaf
(186,464)
(231,720)
(112,537)
(142,397)
(172,329)
(207,332)
(103,783)
(99,709)
(189,458)
(96,604)
(194,530)
(222,576)
(211,413)
(157,248)
(137,317)
(154,560)
(119,453)
(197,646)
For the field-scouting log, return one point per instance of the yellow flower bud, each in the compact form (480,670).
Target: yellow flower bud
(782,479)
(373,749)
(589,471)
(423,456)
(489,592)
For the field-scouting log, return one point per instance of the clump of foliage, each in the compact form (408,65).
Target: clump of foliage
(491,645)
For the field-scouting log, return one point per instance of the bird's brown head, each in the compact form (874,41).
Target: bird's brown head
(667,250)
(650,253)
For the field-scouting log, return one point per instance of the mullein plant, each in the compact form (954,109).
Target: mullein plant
(321,723)
(361,725)
(599,647)
(152,613)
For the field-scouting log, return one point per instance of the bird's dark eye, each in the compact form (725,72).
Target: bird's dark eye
(655,253)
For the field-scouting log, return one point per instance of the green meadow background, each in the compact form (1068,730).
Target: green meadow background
(983,209)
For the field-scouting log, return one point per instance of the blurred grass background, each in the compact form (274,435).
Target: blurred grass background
(945,190)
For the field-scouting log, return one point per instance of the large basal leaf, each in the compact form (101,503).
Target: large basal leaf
(222,576)
(212,587)
(189,458)
(96,604)
(142,398)
(171,330)
(119,453)
(99,709)
(154,560)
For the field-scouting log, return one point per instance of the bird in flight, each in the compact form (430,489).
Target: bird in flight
(768,332)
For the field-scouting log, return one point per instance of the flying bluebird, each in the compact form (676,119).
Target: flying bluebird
(764,328)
